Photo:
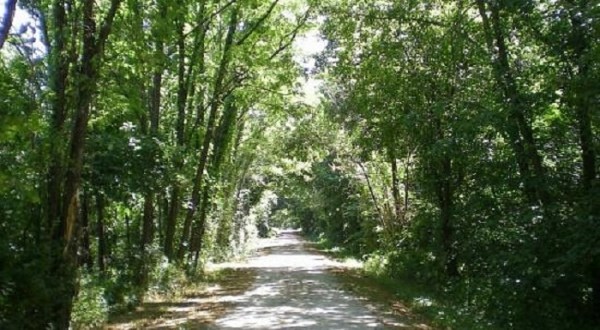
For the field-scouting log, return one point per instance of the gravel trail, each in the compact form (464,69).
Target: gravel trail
(293,289)
(285,285)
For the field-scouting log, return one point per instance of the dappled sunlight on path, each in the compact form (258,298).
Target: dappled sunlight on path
(293,289)
(194,310)
(285,285)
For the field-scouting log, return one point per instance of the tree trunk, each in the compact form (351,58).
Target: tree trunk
(128,243)
(373,196)
(406,181)
(395,187)
(64,261)
(86,253)
(582,100)
(182,94)
(101,233)
(149,197)
(223,137)
(58,72)
(586,140)
(224,134)
(225,226)
(171,222)
(583,90)
(518,127)
(200,227)
(445,196)
(147,222)
(441,170)
(595,301)
(182,91)
(210,127)
(197,69)
(162,218)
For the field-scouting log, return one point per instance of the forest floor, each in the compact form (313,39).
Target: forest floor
(286,284)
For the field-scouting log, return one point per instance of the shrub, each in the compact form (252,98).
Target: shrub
(90,308)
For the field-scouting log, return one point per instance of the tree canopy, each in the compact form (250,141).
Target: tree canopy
(455,144)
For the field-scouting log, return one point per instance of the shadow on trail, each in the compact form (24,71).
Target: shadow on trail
(285,285)
(195,310)
(296,299)
(294,289)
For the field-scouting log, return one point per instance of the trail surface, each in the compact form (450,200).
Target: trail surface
(285,285)
(294,289)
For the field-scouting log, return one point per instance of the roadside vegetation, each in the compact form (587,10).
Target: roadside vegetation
(450,146)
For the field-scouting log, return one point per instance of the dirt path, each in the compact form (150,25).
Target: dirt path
(293,288)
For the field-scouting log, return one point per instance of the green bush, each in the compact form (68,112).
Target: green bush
(377,264)
(90,308)
(166,278)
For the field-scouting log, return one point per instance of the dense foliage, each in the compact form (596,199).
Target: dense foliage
(127,154)
(456,145)
(477,122)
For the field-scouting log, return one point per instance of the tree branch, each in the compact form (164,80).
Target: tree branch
(210,17)
(258,23)
(107,25)
(283,46)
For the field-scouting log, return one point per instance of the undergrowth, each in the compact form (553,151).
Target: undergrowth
(437,304)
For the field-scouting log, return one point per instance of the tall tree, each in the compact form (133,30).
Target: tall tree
(63,189)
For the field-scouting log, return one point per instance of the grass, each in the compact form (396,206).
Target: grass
(404,297)
(194,306)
